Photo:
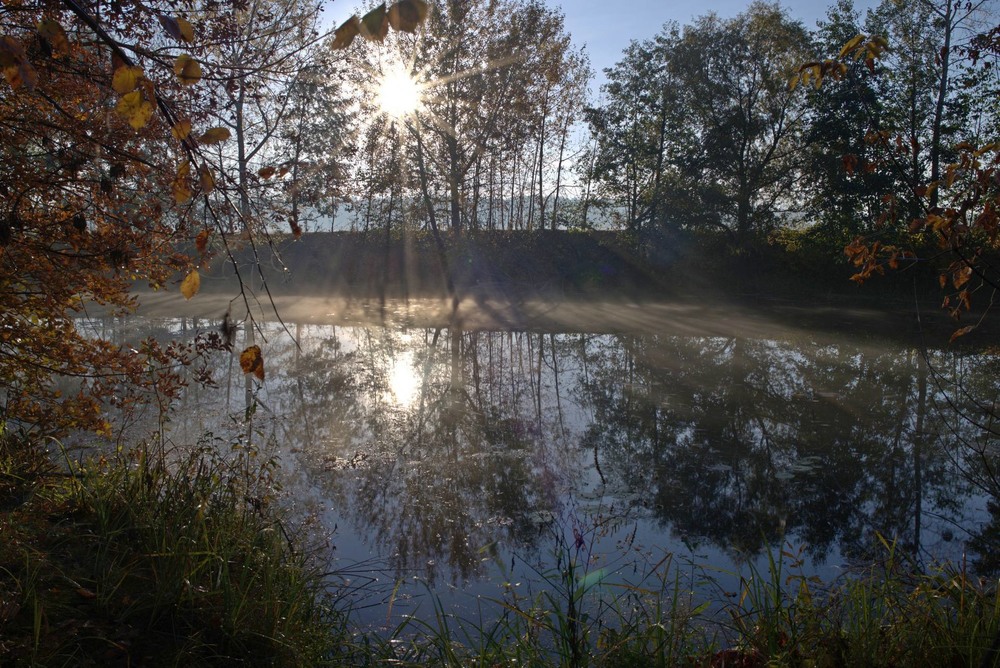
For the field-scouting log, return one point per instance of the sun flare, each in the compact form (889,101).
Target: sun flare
(399,94)
(404,382)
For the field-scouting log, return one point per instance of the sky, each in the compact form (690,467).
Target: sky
(607,26)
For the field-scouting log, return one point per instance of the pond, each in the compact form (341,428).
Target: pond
(466,459)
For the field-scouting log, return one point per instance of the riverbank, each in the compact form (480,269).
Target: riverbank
(540,281)
(126,561)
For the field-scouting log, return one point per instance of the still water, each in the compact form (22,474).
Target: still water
(470,458)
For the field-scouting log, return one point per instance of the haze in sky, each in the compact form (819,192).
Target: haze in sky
(607,26)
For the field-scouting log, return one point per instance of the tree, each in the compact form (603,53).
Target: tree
(498,84)
(641,132)
(749,124)
(97,195)
(700,127)
(846,196)
(110,179)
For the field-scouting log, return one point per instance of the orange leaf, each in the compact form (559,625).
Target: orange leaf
(375,24)
(961,276)
(181,130)
(182,185)
(206,179)
(135,108)
(214,136)
(251,361)
(191,284)
(16,68)
(177,28)
(961,332)
(201,241)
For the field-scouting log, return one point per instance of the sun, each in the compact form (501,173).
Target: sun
(404,380)
(399,94)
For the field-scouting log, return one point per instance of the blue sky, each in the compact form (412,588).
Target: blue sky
(607,26)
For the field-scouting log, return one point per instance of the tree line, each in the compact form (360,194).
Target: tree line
(143,139)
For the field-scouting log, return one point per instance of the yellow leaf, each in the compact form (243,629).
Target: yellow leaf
(251,361)
(126,79)
(187,69)
(345,34)
(191,284)
(206,179)
(182,184)
(177,28)
(54,34)
(406,15)
(851,45)
(136,109)
(214,136)
(181,130)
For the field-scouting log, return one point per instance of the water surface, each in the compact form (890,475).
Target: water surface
(470,456)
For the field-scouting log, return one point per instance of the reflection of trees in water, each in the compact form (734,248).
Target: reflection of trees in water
(461,464)
(740,441)
(726,440)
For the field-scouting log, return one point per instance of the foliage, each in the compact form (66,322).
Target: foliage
(118,170)
(943,200)
(700,127)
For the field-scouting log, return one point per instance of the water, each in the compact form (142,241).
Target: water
(470,461)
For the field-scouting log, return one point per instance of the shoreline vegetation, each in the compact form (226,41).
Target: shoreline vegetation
(126,560)
(183,557)
(794,277)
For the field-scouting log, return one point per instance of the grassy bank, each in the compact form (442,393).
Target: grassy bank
(127,561)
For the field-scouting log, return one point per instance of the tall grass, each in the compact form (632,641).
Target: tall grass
(157,560)
(146,561)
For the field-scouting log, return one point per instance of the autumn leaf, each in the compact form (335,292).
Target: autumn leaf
(961,332)
(126,79)
(961,276)
(850,163)
(182,183)
(214,136)
(201,241)
(406,15)
(206,179)
(177,28)
(187,69)
(251,361)
(345,34)
(16,68)
(191,284)
(54,34)
(375,24)
(181,130)
(851,45)
(135,108)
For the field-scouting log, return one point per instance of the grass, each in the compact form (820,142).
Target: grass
(134,562)
(139,561)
